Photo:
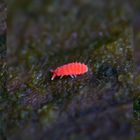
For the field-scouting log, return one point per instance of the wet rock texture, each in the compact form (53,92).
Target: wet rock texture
(46,34)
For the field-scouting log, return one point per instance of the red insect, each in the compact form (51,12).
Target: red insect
(71,69)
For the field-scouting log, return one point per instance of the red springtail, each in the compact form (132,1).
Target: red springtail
(72,69)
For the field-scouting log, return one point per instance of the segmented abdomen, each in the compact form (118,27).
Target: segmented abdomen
(72,69)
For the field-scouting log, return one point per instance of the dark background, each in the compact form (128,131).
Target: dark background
(42,35)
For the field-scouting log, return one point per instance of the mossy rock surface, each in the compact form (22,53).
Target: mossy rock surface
(45,35)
